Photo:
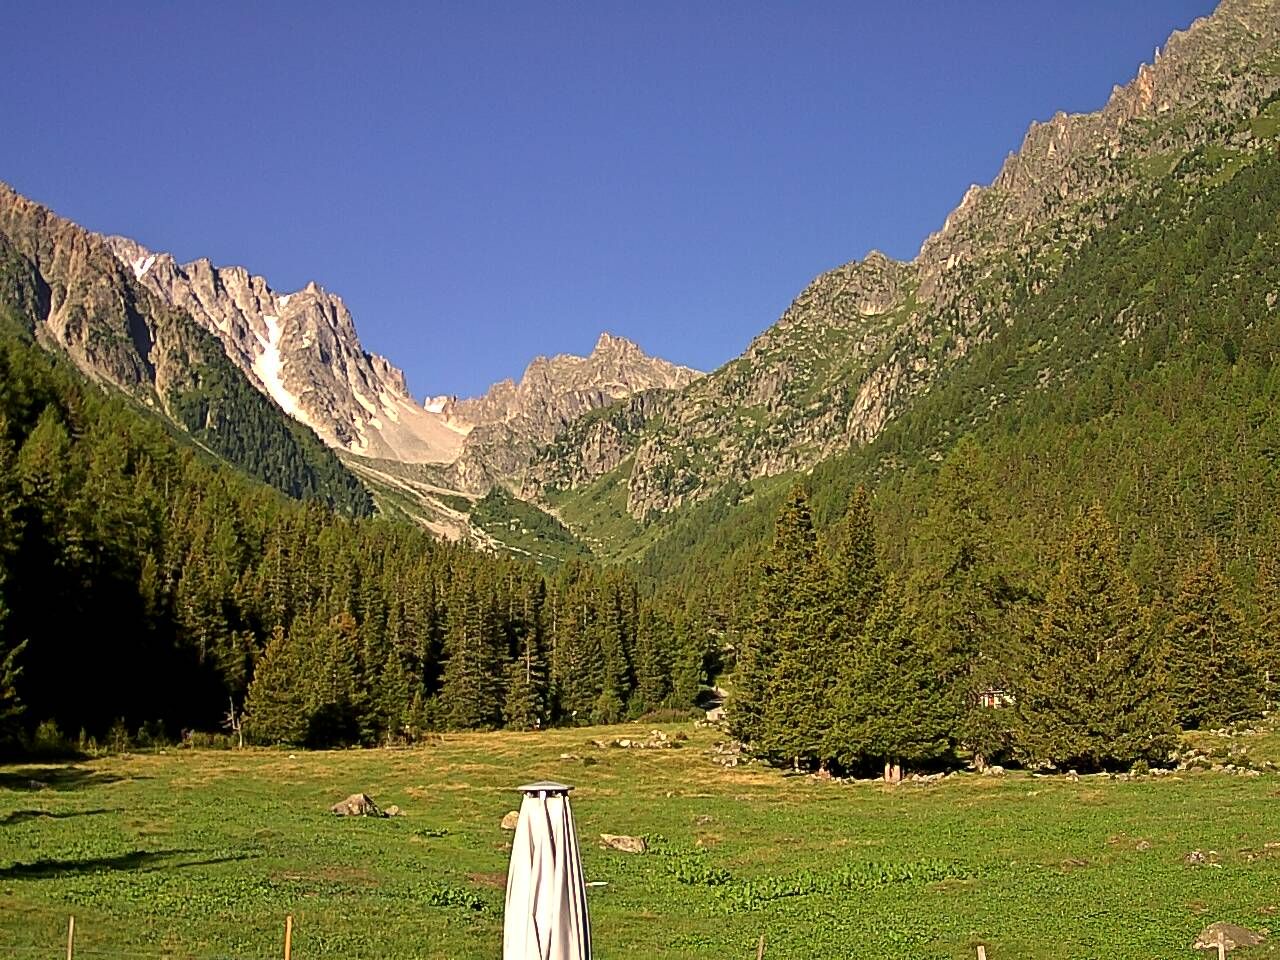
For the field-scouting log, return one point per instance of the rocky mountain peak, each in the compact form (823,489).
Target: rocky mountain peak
(302,350)
(609,345)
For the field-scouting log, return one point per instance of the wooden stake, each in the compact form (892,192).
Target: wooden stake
(1222,945)
(760,948)
(982,953)
(71,936)
(288,936)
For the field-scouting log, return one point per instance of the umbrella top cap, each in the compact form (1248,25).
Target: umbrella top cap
(545,786)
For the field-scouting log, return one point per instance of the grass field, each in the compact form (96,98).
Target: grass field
(202,854)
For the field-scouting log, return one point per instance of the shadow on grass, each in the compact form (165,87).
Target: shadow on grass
(22,816)
(69,777)
(137,860)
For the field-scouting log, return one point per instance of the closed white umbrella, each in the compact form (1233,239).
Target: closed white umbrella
(546,913)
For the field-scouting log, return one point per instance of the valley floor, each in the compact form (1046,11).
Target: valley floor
(202,854)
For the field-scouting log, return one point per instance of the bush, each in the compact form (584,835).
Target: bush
(118,738)
(671,715)
(201,740)
(48,741)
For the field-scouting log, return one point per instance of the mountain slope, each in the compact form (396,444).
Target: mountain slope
(1144,378)
(302,350)
(864,342)
(65,287)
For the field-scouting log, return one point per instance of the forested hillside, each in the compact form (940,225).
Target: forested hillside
(1142,378)
(143,583)
(62,285)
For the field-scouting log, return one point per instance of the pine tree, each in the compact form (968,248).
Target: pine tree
(856,587)
(338,702)
(856,579)
(797,693)
(526,706)
(275,708)
(470,690)
(610,701)
(653,661)
(1215,678)
(1266,642)
(394,696)
(10,667)
(688,671)
(961,597)
(892,704)
(1091,694)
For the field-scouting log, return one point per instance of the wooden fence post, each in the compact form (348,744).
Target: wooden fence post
(288,936)
(71,936)
(982,952)
(760,948)
(1222,945)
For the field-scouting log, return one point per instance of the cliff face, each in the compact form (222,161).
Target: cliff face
(862,341)
(301,349)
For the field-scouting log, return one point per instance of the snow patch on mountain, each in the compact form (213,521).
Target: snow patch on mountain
(269,367)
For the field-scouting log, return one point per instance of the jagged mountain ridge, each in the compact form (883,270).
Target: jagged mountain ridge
(68,290)
(302,350)
(863,341)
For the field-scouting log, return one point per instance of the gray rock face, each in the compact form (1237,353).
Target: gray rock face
(514,420)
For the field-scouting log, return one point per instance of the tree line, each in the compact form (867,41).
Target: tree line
(843,665)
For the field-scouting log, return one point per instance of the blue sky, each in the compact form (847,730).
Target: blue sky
(485,182)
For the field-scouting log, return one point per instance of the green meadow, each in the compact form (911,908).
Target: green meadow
(202,854)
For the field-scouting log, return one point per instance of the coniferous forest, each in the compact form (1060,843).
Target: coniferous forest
(844,666)
(147,586)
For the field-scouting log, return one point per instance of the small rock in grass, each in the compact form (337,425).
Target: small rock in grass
(510,820)
(393,811)
(624,843)
(1232,937)
(356,805)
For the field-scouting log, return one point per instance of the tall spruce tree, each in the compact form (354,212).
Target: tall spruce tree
(470,690)
(856,586)
(653,662)
(797,692)
(394,696)
(961,597)
(610,702)
(856,578)
(1214,671)
(338,706)
(276,704)
(1266,644)
(526,706)
(688,668)
(1091,693)
(10,666)
(891,703)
